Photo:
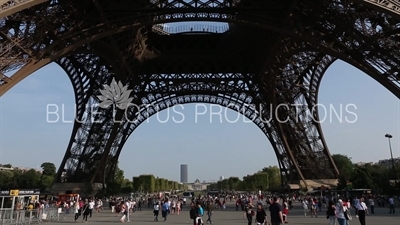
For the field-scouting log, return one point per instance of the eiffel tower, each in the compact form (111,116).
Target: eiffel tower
(270,53)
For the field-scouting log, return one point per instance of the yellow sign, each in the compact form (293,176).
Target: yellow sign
(14,192)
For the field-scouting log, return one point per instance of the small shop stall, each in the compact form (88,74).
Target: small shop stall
(18,199)
(67,197)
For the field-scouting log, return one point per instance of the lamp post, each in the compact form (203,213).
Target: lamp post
(389,136)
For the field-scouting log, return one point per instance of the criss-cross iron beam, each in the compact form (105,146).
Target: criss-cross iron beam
(9,7)
(390,6)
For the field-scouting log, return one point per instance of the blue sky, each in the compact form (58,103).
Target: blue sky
(211,149)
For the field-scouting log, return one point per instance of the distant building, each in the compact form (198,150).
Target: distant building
(197,185)
(221,178)
(184,173)
(23,169)
(388,162)
(365,163)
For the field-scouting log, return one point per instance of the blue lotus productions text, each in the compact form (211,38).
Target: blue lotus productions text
(283,113)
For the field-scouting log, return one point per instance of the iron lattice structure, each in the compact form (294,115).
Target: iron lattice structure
(271,52)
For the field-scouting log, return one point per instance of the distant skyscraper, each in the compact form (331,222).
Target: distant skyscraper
(221,178)
(184,173)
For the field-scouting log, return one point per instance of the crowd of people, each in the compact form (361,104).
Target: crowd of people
(273,210)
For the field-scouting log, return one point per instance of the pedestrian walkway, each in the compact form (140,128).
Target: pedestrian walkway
(229,217)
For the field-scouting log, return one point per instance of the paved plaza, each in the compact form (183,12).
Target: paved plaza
(230,216)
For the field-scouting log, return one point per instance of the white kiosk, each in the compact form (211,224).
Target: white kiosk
(18,199)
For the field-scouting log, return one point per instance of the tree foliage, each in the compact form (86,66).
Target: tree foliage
(344,165)
(14,178)
(274,176)
(149,183)
(366,176)
(267,178)
(21,179)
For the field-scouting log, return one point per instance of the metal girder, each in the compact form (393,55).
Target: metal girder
(89,139)
(9,7)
(298,40)
(390,6)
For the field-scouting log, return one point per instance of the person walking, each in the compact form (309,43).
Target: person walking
(275,210)
(210,209)
(362,211)
(193,212)
(331,213)
(248,213)
(340,212)
(391,205)
(261,215)
(85,212)
(165,210)
(156,211)
(77,211)
(91,207)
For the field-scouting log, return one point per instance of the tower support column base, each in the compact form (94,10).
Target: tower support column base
(83,189)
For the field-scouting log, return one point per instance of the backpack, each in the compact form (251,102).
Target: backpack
(201,211)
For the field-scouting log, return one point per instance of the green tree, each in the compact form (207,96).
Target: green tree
(29,179)
(233,183)
(249,183)
(127,187)
(17,178)
(361,178)
(6,179)
(47,176)
(342,184)
(344,165)
(48,169)
(261,181)
(148,182)
(274,176)
(119,177)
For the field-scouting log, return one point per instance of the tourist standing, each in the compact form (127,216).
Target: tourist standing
(362,211)
(391,205)
(123,211)
(200,213)
(85,212)
(248,213)
(261,215)
(77,211)
(193,212)
(128,205)
(340,212)
(371,205)
(305,207)
(156,211)
(331,213)
(165,210)
(275,210)
(91,207)
(210,209)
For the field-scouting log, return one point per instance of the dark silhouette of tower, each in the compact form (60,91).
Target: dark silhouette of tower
(184,173)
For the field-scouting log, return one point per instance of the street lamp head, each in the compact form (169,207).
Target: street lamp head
(388,136)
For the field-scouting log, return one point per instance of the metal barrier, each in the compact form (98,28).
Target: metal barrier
(34,216)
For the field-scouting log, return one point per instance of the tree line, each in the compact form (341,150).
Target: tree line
(17,178)
(352,176)
(266,179)
(149,183)
(366,176)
